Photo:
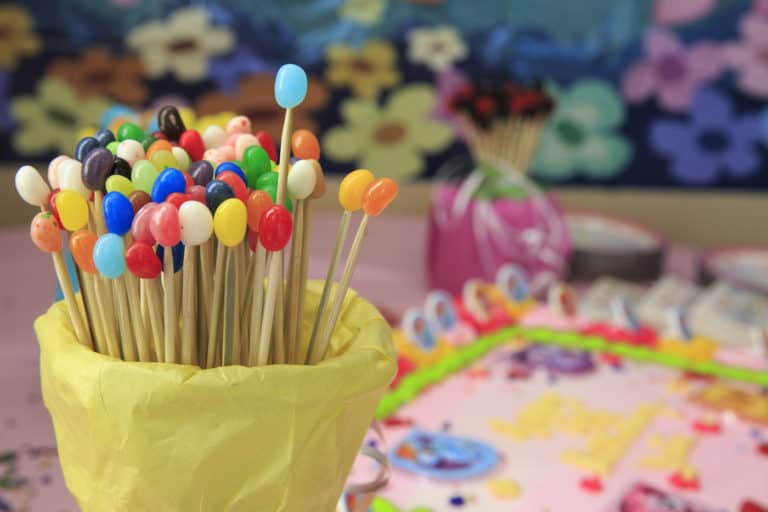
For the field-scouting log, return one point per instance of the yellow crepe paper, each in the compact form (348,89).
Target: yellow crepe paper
(136,437)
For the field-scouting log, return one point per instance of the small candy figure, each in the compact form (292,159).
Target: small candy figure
(443,319)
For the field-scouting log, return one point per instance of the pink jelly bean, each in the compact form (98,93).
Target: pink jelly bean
(197,193)
(164,225)
(228,152)
(140,229)
(244,141)
(232,139)
(215,156)
(239,124)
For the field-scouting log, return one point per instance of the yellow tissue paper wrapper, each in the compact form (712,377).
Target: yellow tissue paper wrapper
(151,437)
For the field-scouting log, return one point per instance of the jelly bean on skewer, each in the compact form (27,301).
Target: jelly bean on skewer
(290,86)
(85,146)
(96,167)
(131,151)
(275,228)
(138,198)
(143,175)
(182,158)
(216,192)
(121,167)
(147,141)
(268,179)
(45,232)
(271,189)
(229,222)
(141,229)
(378,195)
(118,183)
(109,255)
(169,181)
(142,261)
(158,145)
(53,170)
(170,123)
(197,193)
(305,145)
(258,202)
(214,136)
(73,209)
(193,144)
(237,185)
(104,137)
(196,223)
(130,131)
(302,179)
(70,177)
(255,163)
(243,142)
(164,225)
(233,167)
(118,213)
(163,159)
(31,186)
(52,206)
(177,255)
(239,124)
(266,142)
(112,147)
(201,172)
(177,199)
(352,189)
(81,244)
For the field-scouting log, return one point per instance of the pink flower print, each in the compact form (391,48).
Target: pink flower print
(671,71)
(749,56)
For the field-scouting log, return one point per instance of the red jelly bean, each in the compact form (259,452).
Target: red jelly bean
(164,225)
(193,144)
(142,261)
(275,228)
(140,228)
(54,210)
(236,183)
(197,193)
(265,141)
(177,199)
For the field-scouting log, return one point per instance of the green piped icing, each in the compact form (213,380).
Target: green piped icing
(413,384)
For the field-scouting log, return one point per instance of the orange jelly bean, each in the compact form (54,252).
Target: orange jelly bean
(81,245)
(157,146)
(305,145)
(378,195)
(259,201)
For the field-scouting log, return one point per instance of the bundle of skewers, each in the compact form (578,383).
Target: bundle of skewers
(180,238)
(502,122)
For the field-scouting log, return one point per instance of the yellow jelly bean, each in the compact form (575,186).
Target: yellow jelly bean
(352,188)
(73,209)
(182,158)
(163,159)
(119,183)
(229,222)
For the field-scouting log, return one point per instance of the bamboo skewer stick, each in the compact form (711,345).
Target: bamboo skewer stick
(257,305)
(218,288)
(303,270)
(189,307)
(127,338)
(83,336)
(153,292)
(293,286)
(170,324)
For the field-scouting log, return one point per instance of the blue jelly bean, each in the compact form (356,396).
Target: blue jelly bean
(216,192)
(177,253)
(109,255)
(118,213)
(290,85)
(85,146)
(104,137)
(169,181)
(232,166)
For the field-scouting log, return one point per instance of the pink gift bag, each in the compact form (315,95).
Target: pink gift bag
(488,220)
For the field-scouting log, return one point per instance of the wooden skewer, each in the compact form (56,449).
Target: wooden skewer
(236,337)
(341,236)
(276,263)
(99,338)
(83,336)
(293,284)
(218,288)
(127,338)
(170,324)
(229,316)
(189,307)
(205,296)
(341,291)
(303,271)
(139,327)
(154,301)
(257,305)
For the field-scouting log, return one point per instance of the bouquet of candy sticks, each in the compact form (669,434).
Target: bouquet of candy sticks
(503,122)
(199,221)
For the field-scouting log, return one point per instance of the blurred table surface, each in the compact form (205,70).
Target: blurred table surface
(390,274)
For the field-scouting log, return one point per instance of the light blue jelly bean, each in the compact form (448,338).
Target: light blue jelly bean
(109,255)
(290,85)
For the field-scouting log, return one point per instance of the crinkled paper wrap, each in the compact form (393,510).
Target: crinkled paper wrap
(151,437)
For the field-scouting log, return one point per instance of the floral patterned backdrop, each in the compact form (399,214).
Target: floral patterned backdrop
(649,92)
